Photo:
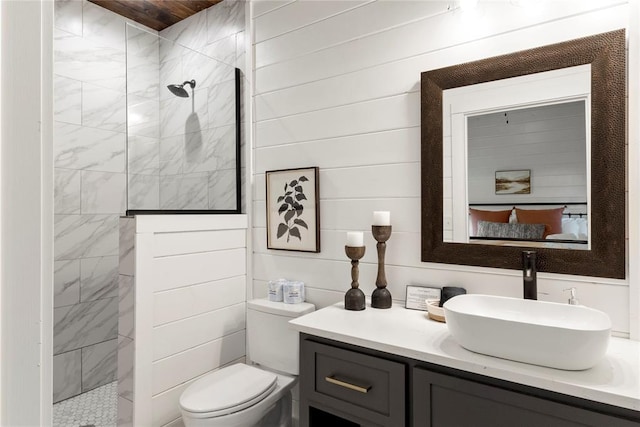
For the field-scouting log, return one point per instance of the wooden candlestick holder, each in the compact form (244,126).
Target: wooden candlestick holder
(354,298)
(381,297)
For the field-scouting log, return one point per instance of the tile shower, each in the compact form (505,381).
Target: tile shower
(181,149)
(113,115)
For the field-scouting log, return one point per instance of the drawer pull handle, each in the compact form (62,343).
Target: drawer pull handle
(359,388)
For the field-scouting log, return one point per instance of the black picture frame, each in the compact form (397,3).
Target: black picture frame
(293,209)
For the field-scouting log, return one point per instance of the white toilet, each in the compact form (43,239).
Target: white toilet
(252,396)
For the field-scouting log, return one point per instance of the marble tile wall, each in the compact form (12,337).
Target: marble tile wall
(90,193)
(143,68)
(126,326)
(187,159)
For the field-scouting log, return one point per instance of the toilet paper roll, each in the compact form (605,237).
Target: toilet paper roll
(293,292)
(275,290)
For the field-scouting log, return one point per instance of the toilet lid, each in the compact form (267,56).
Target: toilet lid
(228,390)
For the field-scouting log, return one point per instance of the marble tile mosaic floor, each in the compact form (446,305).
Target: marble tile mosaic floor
(96,408)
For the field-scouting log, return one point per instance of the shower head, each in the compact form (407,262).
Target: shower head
(179,90)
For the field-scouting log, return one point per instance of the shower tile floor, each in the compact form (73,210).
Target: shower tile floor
(98,407)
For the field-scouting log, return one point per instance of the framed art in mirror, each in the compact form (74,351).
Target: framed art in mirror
(513,182)
(605,53)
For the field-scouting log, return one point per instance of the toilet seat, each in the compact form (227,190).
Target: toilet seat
(227,390)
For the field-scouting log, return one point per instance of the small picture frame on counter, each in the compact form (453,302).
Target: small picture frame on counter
(417,296)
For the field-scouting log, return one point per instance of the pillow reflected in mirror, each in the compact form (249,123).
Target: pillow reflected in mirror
(552,218)
(577,226)
(491,216)
(500,230)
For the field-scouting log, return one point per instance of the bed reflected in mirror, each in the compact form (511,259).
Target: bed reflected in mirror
(517,153)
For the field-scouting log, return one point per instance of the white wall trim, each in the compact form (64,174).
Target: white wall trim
(27,215)
(249,129)
(2,347)
(181,223)
(46,96)
(633,167)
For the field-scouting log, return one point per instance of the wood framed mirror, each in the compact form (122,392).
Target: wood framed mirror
(606,55)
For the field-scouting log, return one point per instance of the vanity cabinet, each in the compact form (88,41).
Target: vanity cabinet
(443,400)
(342,385)
(367,390)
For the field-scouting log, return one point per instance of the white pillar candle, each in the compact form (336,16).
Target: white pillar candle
(355,239)
(381,218)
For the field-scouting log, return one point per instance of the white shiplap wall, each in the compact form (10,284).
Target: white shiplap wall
(190,298)
(336,85)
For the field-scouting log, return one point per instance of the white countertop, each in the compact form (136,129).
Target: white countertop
(409,333)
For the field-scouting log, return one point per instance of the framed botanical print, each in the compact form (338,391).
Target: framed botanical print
(293,210)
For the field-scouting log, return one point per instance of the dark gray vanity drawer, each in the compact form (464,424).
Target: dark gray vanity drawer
(368,387)
(446,401)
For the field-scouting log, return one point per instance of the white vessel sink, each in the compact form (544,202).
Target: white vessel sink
(561,336)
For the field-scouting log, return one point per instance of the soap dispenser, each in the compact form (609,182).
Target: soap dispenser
(572,298)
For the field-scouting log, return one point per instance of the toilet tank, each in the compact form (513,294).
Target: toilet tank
(272,342)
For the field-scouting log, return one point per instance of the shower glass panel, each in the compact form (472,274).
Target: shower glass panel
(183,133)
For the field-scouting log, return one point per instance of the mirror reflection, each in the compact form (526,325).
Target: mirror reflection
(517,175)
(527,175)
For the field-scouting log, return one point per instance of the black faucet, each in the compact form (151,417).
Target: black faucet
(529,275)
